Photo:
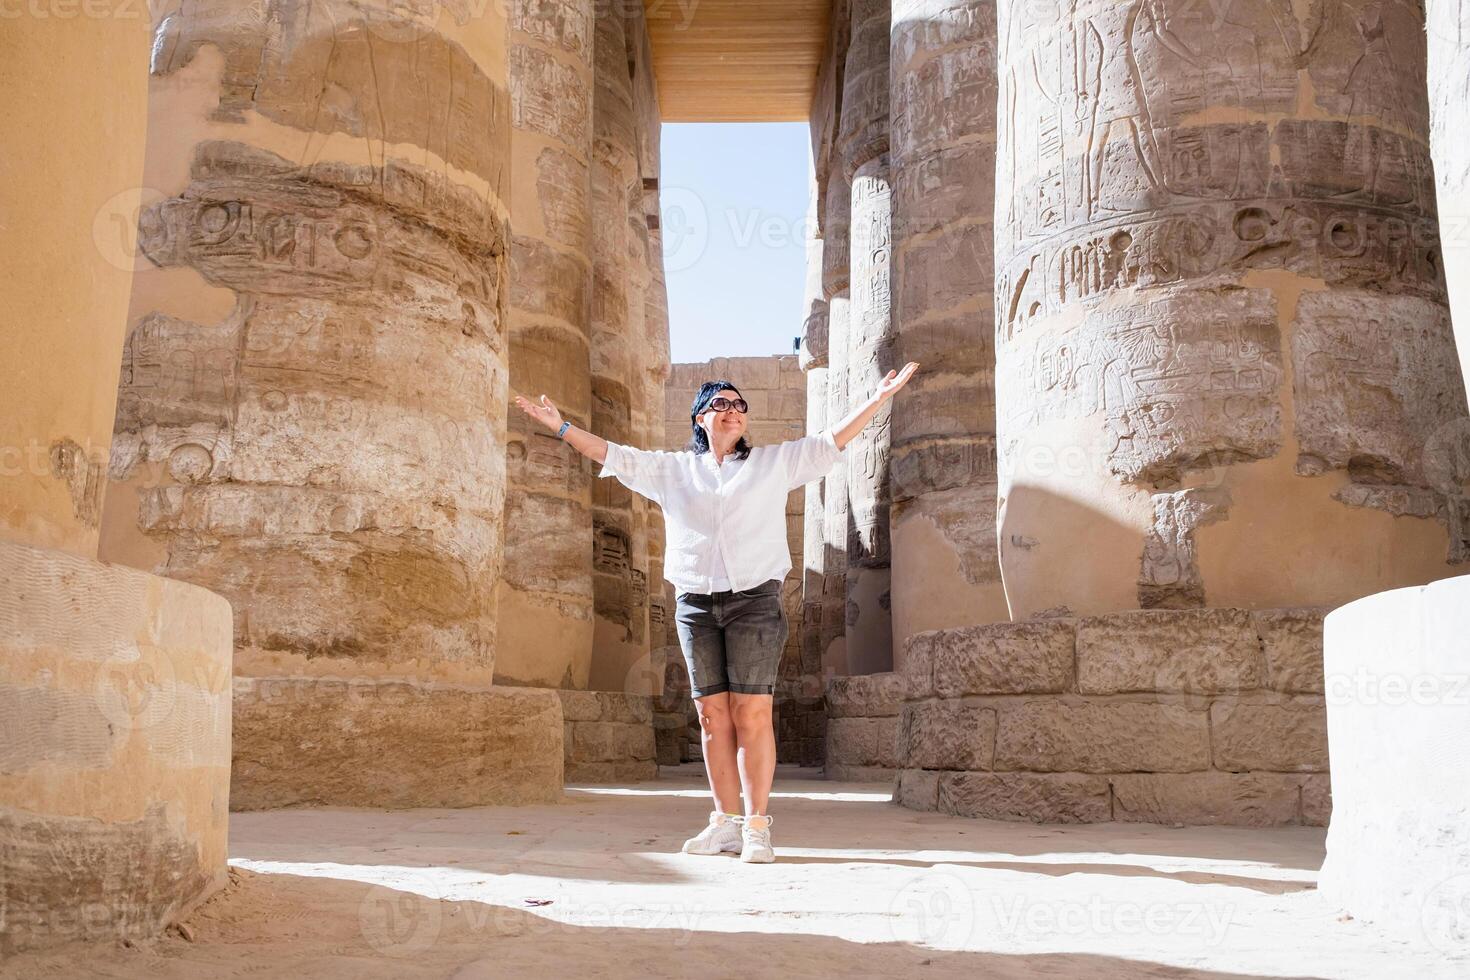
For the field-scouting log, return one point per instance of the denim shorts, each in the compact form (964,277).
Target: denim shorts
(732,641)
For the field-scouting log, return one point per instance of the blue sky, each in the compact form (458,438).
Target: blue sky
(734,200)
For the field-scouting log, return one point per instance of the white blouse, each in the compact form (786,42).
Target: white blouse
(735,510)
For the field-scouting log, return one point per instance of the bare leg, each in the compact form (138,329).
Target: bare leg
(757,753)
(717,737)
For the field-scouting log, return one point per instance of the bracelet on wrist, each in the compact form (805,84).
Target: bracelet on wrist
(562,432)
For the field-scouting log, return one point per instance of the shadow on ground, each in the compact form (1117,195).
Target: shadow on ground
(276,925)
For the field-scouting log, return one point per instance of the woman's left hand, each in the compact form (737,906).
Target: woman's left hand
(895,380)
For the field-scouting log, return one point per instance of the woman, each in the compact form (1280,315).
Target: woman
(724,505)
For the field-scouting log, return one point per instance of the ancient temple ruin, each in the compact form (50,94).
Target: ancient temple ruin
(1186,288)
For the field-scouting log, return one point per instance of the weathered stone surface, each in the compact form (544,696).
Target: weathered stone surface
(1277,734)
(114,748)
(1193,652)
(78,879)
(917,789)
(1071,734)
(311,419)
(1292,641)
(947,735)
(1316,800)
(1000,658)
(863,132)
(1181,236)
(331,742)
(862,742)
(1248,799)
(608,706)
(917,668)
(1038,797)
(611,736)
(610,742)
(866,694)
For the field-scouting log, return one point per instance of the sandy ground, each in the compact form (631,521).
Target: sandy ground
(595,886)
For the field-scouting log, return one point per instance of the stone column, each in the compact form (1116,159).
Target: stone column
(815,614)
(619,580)
(863,144)
(114,684)
(312,413)
(836,282)
(1224,357)
(1449,118)
(545,597)
(662,640)
(814,360)
(945,568)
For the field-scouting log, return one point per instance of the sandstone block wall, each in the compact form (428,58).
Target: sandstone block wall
(609,737)
(1224,357)
(1212,716)
(863,716)
(676,727)
(386,742)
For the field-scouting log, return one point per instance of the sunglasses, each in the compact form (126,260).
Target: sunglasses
(722,404)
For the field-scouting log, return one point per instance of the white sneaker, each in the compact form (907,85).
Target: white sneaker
(756,840)
(722,836)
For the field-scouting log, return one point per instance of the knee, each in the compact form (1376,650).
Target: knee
(753,716)
(715,720)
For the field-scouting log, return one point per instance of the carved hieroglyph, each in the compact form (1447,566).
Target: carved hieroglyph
(545,596)
(871,354)
(312,413)
(945,568)
(1217,268)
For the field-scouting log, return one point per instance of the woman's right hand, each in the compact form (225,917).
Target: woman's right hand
(544,411)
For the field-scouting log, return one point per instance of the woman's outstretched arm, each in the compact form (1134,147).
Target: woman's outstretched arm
(584,442)
(847,429)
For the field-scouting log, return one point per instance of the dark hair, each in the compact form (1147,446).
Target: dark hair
(702,398)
